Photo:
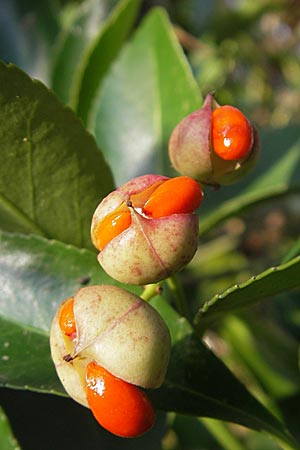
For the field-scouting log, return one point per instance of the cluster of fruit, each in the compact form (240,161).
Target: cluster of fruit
(107,344)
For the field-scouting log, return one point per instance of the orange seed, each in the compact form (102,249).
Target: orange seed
(120,407)
(110,227)
(180,195)
(232,133)
(66,317)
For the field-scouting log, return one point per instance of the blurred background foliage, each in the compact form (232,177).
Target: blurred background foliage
(248,53)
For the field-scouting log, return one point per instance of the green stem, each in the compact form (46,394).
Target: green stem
(150,291)
(222,434)
(178,293)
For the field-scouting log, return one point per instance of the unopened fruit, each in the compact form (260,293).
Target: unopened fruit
(215,145)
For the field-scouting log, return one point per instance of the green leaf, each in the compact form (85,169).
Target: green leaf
(147,91)
(52,175)
(25,360)
(268,283)
(276,175)
(74,42)
(100,54)
(7,439)
(198,383)
(36,275)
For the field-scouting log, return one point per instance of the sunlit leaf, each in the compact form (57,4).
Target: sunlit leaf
(52,175)
(148,90)
(266,284)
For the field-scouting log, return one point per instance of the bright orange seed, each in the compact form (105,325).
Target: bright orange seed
(180,195)
(110,227)
(232,133)
(66,317)
(120,407)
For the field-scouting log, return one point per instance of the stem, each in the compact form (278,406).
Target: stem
(178,293)
(150,291)
(222,434)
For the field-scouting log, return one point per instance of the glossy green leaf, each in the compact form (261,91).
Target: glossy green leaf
(74,42)
(198,383)
(36,275)
(276,175)
(52,175)
(100,54)
(7,439)
(266,284)
(145,94)
(25,360)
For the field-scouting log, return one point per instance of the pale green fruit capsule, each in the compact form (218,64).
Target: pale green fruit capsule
(192,148)
(146,249)
(117,330)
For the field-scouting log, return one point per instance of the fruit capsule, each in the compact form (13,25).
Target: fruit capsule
(146,230)
(120,407)
(215,144)
(116,330)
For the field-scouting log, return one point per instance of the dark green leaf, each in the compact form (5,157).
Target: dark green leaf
(145,94)
(7,439)
(52,175)
(101,53)
(266,284)
(276,174)
(74,42)
(198,383)
(25,360)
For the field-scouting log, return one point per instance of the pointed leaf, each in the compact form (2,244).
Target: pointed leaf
(100,54)
(52,175)
(198,383)
(145,94)
(266,284)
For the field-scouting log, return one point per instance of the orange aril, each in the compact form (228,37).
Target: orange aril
(66,318)
(110,227)
(180,195)
(120,407)
(231,133)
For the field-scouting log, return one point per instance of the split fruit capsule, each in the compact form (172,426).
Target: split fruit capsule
(108,344)
(146,230)
(215,144)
